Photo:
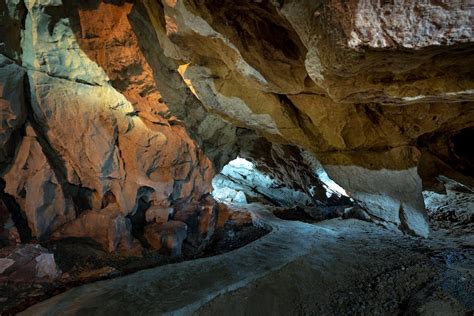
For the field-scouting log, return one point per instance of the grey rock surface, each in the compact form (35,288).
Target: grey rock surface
(332,267)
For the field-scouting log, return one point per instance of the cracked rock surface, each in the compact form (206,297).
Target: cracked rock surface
(117,117)
(365,86)
(142,103)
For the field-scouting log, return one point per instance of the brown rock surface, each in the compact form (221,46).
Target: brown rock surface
(107,226)
(201,220)
(35,187)
(131,107)
(115,116)
(102,138)
(358,83)
(167,236)
(12,106)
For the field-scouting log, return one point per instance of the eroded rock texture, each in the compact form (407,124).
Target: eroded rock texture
(99,140)
(366,86)
(119,113)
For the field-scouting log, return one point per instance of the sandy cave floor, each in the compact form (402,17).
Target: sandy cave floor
(333,267)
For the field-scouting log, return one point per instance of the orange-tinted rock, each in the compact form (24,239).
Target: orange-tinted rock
(103,138)
(364,82)
(168,236)
(200,219)
(144,101)
(107,226)
(32,182)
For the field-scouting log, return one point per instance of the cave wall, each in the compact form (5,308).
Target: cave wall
(87,134)
(360,84)
(110,106)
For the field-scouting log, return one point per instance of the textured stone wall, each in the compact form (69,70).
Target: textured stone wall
(361,84)
(107,106)
(86,134)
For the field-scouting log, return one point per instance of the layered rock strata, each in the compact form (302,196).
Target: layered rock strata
(117,113)
(360,84)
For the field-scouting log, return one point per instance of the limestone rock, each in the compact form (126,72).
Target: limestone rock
(222,191)
(359,84)
(169,236)
(96,274)
(12,106)
(11,12)
(282,175)
(158,214)
(107,226)
(8,231)
(453,206)
(356,212)
(357,50)
(201,220)
(141,103)
(392,196)
(231,216)
(28,263)
(33,183)
(103,138)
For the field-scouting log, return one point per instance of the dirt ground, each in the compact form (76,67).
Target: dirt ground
(83,261)
(368,274)
(334,267)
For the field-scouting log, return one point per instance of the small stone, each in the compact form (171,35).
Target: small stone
(5,263)
(29,263)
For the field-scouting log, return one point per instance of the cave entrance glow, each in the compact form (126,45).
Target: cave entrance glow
(240,181)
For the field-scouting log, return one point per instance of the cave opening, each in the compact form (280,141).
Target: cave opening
(309,199)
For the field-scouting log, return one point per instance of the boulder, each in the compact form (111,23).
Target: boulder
(27,263)
(200,219)
(168,236)
(107,226)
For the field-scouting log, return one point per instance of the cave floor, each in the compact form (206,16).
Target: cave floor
(333,267)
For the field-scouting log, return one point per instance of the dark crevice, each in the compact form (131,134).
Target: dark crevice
(10,31)
(137,218)
(10,148)
(16,213)
(138,221)
(463,150)
(404,226)
(300,119)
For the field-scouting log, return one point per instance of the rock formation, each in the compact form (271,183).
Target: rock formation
(98,139)
(366,86)
(119,113)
